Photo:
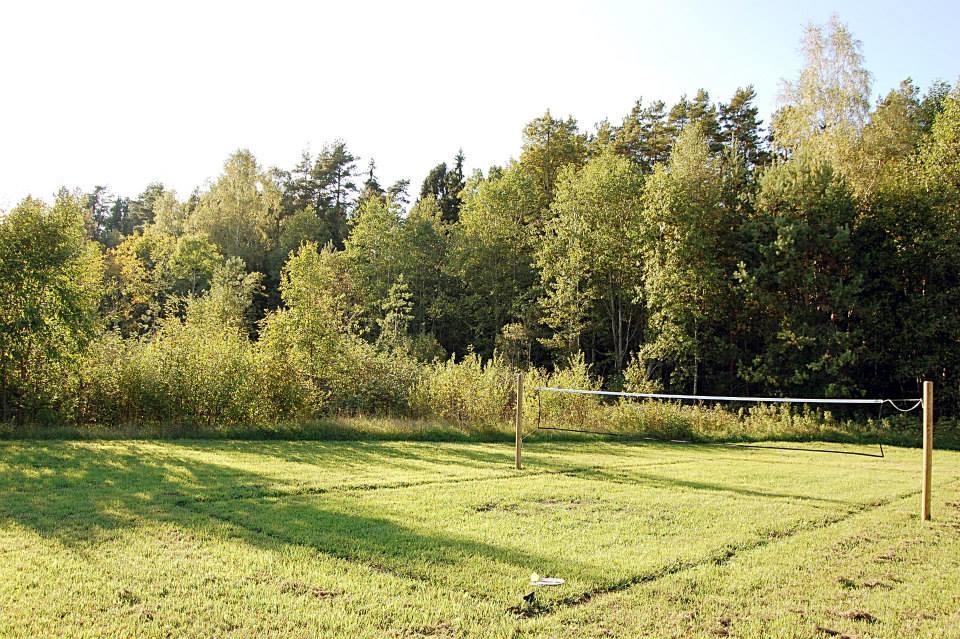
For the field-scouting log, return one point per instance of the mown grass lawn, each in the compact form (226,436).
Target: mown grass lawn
(419,539)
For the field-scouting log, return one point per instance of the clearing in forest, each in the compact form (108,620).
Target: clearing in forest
(403,539)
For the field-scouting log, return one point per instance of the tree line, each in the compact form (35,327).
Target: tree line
(685,248)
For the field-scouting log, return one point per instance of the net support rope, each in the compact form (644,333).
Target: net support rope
(914,403)
(733,398)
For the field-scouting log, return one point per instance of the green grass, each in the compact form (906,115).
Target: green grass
(630,421)
(425,539)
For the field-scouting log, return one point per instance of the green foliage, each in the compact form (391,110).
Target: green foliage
(229,302)
(665,251)
(643,376)
(368,381)
(549,145)
(493,251)
(444,186)
(170,215)
(190,372)
(645,136)
(296,230)
(325,185)
(888,143)
(311,341)
(374,251)
(384,246)
(908,248)
(803,289)
(50,283)
(138,283)
(425,255)
(241,212)
(202,369)
(150,269)
(590,259)
(397,313)
(564,410)
(829,102)
(940,158)
(192,264)
(740,127)
(685,240)
(469,392)
(701,113)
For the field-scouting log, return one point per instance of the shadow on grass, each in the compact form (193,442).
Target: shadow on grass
(81,495)
(651,479)
(387,546)
(79,491)
(897,430)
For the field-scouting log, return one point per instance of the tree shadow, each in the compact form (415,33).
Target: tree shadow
(80,493)
(651,479)
(76,491)
(452,561)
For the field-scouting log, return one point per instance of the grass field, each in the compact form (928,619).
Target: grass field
(422,539)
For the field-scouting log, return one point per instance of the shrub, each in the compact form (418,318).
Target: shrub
(366,380)
(563,410)
(466,392)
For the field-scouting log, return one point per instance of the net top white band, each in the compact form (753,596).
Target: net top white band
(726,398)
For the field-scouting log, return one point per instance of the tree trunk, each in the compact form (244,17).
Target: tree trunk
(696,358)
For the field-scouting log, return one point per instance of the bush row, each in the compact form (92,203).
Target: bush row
(213,380)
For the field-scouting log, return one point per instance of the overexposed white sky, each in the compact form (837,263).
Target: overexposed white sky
(125,93)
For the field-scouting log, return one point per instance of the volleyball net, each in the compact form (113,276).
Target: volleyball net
(722,420)
(708,420)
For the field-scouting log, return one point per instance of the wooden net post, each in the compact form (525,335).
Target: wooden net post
(927,409)
(519,419)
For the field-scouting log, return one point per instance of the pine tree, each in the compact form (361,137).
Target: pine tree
(550,144)
(371,186)
(740,127)
(444,186)
(645,136)
(333,174)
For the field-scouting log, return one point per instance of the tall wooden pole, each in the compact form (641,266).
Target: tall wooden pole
(927,450)
(519,419)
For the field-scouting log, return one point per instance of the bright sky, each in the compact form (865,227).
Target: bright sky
(125,93)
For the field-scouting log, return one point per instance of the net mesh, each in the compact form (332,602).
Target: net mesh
(707,419)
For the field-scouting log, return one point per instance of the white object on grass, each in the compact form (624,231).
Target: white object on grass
(537,580)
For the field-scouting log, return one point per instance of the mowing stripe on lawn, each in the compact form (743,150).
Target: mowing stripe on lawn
(881,561)
(343,528)
(720,558)
(369,487)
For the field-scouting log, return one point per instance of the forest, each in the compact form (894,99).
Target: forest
(697,247)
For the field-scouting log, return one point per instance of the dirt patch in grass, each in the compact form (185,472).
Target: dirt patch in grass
(890,555)
(723,627)
(847,583)
(553,502)
(851,584)
(876,583)
(859,615)
(305,590)
(491,506)
(830,632)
